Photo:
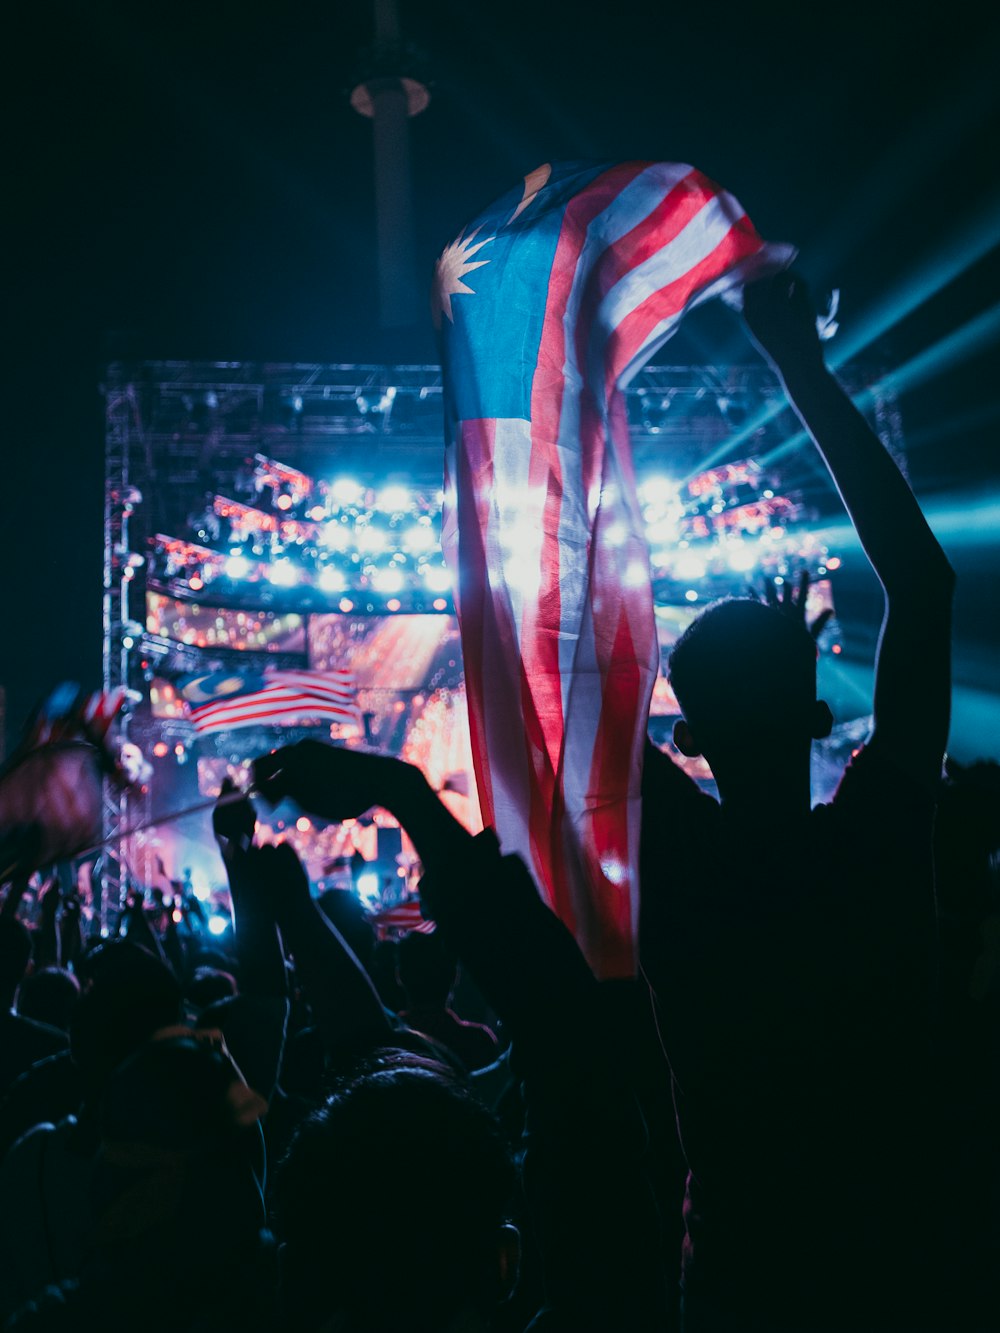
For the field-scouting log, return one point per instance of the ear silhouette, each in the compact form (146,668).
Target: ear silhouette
(684,740)
(822,722)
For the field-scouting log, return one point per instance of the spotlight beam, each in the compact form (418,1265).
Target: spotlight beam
(973,242)
(968,340)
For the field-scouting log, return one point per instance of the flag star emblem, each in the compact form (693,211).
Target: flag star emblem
(455,263)
(534,183)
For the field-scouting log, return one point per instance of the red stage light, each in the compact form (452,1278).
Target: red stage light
(160,749)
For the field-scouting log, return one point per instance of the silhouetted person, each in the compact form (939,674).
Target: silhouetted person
(49,996)
(792,950)
(392,1207)
(22,1039)
(428,974)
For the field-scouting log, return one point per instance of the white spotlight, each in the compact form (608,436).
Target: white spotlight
(438,578)
(346,492)
(284,574)
(331,579)
(237,566)
(393,499)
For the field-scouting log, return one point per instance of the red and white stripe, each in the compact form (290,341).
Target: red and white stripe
(545,535)
(290,698)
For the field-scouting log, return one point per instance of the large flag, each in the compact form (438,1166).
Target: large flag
(221,702)
(548,303)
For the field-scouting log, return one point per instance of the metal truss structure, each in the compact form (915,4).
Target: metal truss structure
(179,431)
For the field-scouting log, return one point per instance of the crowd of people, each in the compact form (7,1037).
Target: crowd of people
(787,1123)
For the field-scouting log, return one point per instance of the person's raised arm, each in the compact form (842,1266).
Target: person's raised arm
(343,999)
(258,948)
(912,675)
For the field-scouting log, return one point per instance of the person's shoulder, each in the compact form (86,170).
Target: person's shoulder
(873,779)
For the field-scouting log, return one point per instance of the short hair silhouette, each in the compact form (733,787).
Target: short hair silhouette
(742,665)
(49,996)
(403,1152)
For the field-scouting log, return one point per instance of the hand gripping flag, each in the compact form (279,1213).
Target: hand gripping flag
(548,304)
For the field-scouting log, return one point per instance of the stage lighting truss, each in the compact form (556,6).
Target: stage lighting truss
(294,488)
(376,545)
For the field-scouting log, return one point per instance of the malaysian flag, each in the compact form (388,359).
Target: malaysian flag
(548,304)
(275,699)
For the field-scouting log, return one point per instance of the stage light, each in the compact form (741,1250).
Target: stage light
(369,539)
(419,538)
(284,574)
(690,566)
(128,641)
(658,490)
(691,595)
(368,887)
(335,535)
(177,916)
(616,534)
(393,604)
(283,501)
(303,824)
(439,604)
(346,604)
(523,574)
(218,925)
(160,749)
(740,556)
(237,566)
(331,579)
(345,491)
(388,580)
(834,562)
(393,499)
(202,892)
(437,578)
(196,583)
(662,531)
(636,574)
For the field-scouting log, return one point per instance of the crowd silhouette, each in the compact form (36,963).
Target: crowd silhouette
(787,1123)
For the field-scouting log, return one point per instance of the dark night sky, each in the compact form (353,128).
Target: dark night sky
(189,181)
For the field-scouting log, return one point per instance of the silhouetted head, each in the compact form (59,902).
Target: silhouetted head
(744,675)
(401,1153)
(128,994)
(179,1145)
(49,996)
(15,954)
(208,985)
(427,970)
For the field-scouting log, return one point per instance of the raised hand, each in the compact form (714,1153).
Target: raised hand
(779,315)
(327,780)
(233,822)
(792,602)
(278,877)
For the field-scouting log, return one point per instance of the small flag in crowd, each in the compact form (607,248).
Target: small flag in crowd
(402,918)
(548,304)
(221,701)
(51,786)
